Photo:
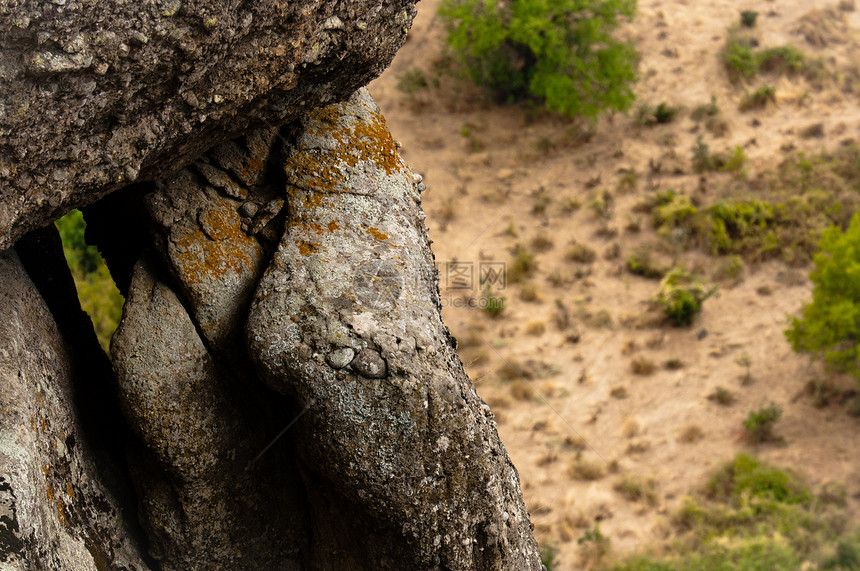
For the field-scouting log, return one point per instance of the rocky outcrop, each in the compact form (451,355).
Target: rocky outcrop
(283,393)
(55,511)
(97,95)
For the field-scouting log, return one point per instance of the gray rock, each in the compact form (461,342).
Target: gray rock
(55,513)
(369,363)
(340,358)
(354,268)
(96,96)
(202,508)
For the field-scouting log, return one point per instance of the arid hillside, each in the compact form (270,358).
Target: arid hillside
(612,415)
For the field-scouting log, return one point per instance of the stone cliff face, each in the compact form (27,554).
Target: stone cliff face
(289,396)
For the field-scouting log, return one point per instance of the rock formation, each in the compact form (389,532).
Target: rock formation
(289,396)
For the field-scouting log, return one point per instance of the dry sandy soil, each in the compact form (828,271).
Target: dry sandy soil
(490,169)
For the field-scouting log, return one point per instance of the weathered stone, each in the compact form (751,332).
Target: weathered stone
(97,95)
(340,358)
(202,506)
(419,449)
(369,363)
(55,513)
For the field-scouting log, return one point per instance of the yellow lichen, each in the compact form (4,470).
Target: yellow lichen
(201,259)
(373,231)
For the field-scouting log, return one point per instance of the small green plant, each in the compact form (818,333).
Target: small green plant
(702,160)
(602,204)
(642,263)
(547,556)
(681,296)
(748,18)
(745,361)
(595,544)
(560,52)
(648,115)
(758,99)
(781,60)
(491,304)
(739,57)
(830,324)
(637,489)
(702,112)
(758,425)
(722,396)
(523,265)
(736,162)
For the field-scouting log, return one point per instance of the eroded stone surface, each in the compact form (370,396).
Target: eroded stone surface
(415,445)
(55,512)
(201,505)
(97,95)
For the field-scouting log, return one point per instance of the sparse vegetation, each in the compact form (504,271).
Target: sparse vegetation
(681,296)
(643,263)
(758,99)
(648,115)
(722,396)
(755,517)
(522,266)
(636,488)
(581,253)
(758,425)
(641,365)
(743,60)
(586,470)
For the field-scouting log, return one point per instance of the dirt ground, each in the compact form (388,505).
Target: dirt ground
(498,176)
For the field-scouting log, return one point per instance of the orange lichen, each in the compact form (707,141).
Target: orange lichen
(69,490)
(307,248)
(373,231)
(332,226)
(201,259)
(369,140)
(61,511)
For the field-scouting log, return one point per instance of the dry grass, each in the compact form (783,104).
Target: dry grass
(531,292)
(636,488)
(586,470)
(535,328)
(642,365)
(691,433)
(521,390)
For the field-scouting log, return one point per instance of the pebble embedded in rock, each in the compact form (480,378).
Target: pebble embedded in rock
(340,358)
(369,363)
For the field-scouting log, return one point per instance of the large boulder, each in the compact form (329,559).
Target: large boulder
(97,95)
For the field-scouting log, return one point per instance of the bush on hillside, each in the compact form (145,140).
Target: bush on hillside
(560,52)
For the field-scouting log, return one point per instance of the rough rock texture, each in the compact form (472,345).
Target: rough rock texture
(97,95)
(202,508)
(289,396)
(399,431)
(55,513)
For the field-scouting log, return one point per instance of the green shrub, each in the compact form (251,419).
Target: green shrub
(560,52)
(96,289)
(758,99)
(523,265)
(748,18)
(736,161)
(412,81)
(758,425)
(734,221)
(681,296)
(739,58)
(492,305)
(647,115)
(781,60)
(830,324)
(642,263)
(702,159)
